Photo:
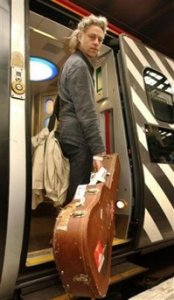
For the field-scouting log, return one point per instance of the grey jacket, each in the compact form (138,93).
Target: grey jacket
(78,119)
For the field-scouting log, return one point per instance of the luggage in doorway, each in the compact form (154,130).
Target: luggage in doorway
(83,235)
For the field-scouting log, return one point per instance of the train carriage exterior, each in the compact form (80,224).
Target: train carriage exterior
(140,62)
(135,104)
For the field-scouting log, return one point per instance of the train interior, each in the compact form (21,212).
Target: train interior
(48,40)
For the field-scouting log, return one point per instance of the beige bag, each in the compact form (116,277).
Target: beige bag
(56,171)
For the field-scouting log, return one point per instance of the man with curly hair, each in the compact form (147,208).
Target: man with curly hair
(79,132)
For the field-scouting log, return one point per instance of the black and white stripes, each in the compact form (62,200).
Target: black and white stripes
(158,177)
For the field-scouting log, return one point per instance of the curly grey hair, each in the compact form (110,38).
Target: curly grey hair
(82,25)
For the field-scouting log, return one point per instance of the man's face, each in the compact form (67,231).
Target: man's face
(91,41)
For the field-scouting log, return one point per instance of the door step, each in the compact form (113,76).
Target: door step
(39,257)
(117,241)
(46,255)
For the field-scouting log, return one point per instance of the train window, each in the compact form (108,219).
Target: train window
(160,143)
(101,82)
(98,79)
(160,95)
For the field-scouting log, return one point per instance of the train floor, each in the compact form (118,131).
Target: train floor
(156,283)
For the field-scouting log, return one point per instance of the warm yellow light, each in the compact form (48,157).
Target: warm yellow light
(120,204)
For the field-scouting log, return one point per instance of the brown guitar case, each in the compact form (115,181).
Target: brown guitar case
(83,235)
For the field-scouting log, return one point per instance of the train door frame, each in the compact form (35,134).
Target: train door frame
(4,125)
(17,87)
(134,157)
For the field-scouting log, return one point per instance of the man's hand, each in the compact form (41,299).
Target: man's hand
(97,162)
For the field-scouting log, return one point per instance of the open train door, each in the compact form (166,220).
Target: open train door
(12,141)
(147,78)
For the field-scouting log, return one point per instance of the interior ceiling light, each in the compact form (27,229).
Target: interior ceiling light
(42,69)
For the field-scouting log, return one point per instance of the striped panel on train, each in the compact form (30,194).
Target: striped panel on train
(158,177)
